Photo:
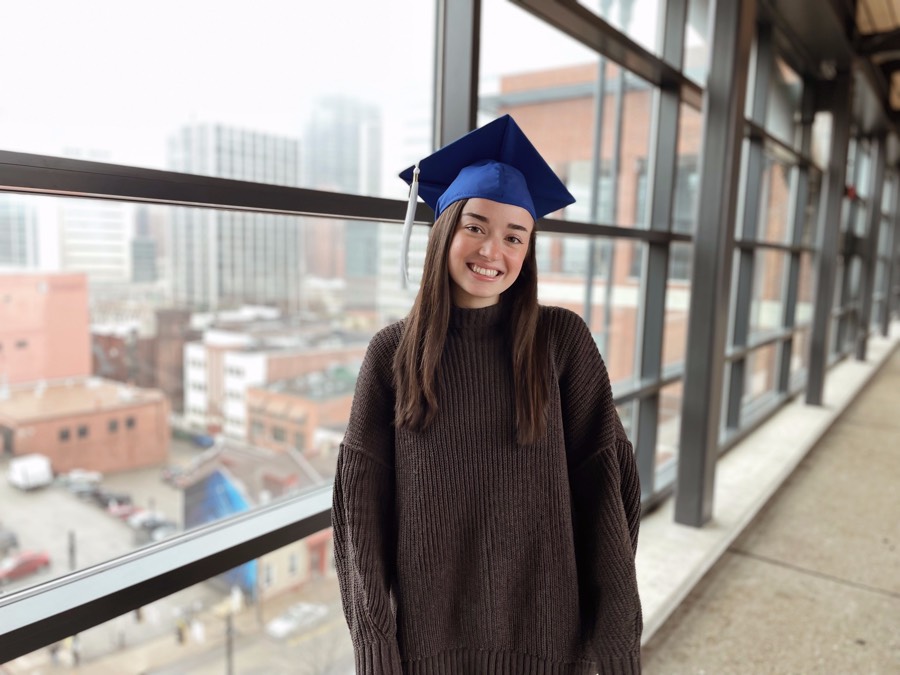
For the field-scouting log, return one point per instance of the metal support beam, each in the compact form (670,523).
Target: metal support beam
(652,306)
(797,208)
(893,248)
(456,69)
(731,30)
(754,161)
(869,255)
(831,198)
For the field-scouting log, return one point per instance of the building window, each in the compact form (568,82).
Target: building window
(113,426)
(256,429)
(21,344)
(292,564)
(299,442)
(82,431)
(268,575)
(129,422)
(63,434)
(278,434)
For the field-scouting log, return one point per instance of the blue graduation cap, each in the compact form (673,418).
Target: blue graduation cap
(495,162)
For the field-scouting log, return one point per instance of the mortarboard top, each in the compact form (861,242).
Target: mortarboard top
(495,162)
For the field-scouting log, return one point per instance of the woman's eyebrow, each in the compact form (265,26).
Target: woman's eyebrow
(477,216)
(485,219)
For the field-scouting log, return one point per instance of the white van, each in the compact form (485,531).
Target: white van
(30,471)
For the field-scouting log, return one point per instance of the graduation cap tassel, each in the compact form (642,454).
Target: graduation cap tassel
(407,228)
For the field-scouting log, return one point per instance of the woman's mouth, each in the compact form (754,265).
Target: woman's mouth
(484,272)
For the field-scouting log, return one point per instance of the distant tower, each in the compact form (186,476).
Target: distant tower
(228,258)
(342,153)
(18,232)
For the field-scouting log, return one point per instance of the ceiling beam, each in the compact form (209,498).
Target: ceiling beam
(873,43)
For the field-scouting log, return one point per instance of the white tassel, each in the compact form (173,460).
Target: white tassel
(407,228)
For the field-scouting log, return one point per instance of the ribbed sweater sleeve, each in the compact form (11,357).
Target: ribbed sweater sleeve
(605,488)
(363,513)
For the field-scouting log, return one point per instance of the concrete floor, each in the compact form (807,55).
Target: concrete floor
(813,584)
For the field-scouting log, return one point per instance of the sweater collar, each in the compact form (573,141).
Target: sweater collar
(479,320)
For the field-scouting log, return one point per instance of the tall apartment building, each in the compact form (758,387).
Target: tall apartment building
(19,236)
(95,238)
(342,153)
(226,258)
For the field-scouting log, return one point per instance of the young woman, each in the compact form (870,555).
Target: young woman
(486,501)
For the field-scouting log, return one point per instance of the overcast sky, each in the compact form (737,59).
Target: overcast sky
(118,76)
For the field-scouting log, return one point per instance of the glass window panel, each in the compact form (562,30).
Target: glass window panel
(862,180)
(804,310)
(880,278)
(211,106)
(783,102)
(554,101)
(821,138)
(884,236)
(626,414)
(833,346)
(767,303)
(294,624)
(613,310)
(877,309)
(760,380)
(249,331)
(775,201)
(638,19)
(687,176)
(887,193)
(696,41)
(669,427)
(800,356)
(838,282)
(811,210)
(860,224)
(678,301)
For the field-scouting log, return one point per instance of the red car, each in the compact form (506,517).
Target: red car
(22,564)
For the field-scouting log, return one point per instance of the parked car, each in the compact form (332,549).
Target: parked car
(123,511)
(82,489)
(298,616)
(105,497)
(204,441)
(154,530)
(28,472)
(22,564)
(143,519)
(171,475)
(8,541)
(81,476)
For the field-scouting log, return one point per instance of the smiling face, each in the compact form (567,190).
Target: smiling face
(487,251)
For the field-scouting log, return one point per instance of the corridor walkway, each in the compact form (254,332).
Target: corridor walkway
(813,584)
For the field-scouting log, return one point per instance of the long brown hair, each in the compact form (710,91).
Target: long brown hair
(418,357)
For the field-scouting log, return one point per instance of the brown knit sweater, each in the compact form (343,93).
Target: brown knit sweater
(459,550)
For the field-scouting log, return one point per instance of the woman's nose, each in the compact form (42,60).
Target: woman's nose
(489,249)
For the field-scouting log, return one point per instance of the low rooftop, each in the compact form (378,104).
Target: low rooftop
(70,397)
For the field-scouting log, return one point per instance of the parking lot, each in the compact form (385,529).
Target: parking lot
(47,519)
(43,520)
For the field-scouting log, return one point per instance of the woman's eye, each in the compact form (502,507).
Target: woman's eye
(514,240)
(473,228)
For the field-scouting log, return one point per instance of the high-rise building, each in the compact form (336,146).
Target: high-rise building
(222,259)
(342,153)
(95,238)
(18,233)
